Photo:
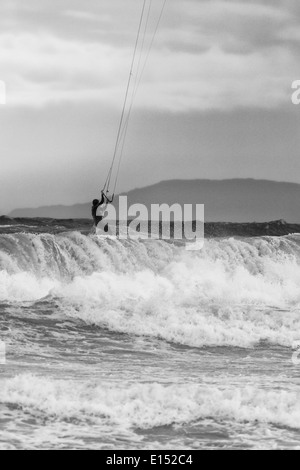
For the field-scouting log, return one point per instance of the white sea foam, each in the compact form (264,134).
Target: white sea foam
(148,405)
(233,292)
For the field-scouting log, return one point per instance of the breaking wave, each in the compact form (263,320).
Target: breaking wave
(235,292)
(149,405)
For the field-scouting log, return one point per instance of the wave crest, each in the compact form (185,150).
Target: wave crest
(233,292)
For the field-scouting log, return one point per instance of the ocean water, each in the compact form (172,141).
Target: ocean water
(142,345)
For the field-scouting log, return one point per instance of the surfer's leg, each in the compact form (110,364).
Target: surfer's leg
(102,225)
(97,220)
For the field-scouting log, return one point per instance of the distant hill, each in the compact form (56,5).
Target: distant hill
(237,200)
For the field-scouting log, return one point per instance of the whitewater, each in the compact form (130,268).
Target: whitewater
(122,344)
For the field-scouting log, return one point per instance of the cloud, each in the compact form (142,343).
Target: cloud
(81,15)
(208,55)
(233,26)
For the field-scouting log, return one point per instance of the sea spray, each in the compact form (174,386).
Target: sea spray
(233,292)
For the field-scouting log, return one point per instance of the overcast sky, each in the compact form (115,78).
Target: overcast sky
(215,100)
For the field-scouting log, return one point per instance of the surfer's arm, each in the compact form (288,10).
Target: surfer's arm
(102,200)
